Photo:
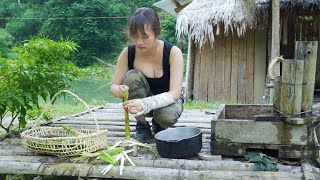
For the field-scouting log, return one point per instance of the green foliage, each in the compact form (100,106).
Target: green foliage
(168,25)
(6,41)
(25,28)
(34,113)
(38,68)
(95,36)
(135,4)
(201,105)
(99,27)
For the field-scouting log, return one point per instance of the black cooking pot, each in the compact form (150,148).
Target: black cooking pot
(180,142)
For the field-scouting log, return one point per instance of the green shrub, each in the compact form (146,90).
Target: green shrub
(38,68)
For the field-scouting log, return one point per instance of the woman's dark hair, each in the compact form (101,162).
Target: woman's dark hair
(141,17)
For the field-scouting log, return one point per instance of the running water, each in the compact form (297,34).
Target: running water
(265,97)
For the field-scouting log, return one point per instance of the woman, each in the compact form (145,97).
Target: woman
(152,70)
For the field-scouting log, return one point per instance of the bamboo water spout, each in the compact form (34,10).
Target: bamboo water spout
(293,89)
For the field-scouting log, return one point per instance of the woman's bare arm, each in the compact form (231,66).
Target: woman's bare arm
(117,88)
(176,72)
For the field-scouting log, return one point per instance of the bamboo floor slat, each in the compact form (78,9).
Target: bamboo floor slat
(14,159)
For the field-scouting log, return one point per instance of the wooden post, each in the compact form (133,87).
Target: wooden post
(307,51)
(190,69)
(275,40)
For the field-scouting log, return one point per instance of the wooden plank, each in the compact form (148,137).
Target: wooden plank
(260,62)
(234,69)
(250,67)
(219,73)
(197,68)
(204,72)
(242,70)
(259,132)
(284,36)
(304,30)
(298,29)
(212,77)
(227,67)
(245,111)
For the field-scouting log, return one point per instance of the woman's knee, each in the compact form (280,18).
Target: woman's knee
(133,76)
(165,120)
(137,83)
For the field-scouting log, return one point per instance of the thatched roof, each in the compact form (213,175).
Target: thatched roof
(291,6)
(202,19)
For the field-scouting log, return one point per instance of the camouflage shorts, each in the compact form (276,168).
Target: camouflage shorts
(139,88)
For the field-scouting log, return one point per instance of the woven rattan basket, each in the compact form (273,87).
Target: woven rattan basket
(60,142)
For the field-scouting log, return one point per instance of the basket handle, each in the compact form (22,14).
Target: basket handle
(50,104)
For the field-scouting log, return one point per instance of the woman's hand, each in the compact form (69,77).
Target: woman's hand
(118,90)
(134,106)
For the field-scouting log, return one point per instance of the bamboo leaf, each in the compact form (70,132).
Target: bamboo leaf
(108,158)
(114,151)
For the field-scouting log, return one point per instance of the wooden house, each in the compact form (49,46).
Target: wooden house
(229,45)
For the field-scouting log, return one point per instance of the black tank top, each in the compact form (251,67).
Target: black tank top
(157,85)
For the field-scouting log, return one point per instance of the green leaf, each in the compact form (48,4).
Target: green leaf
(2,109)
(114,151)
(22,121)
(108,158)
(28,74)
(20,100)
(29,95)
(44,95)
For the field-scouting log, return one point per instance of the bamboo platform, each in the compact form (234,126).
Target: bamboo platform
(14,159)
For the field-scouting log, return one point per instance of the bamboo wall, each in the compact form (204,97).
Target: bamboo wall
(234,70)
(225,72)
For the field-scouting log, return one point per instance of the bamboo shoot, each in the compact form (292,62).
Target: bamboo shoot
(126,115)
